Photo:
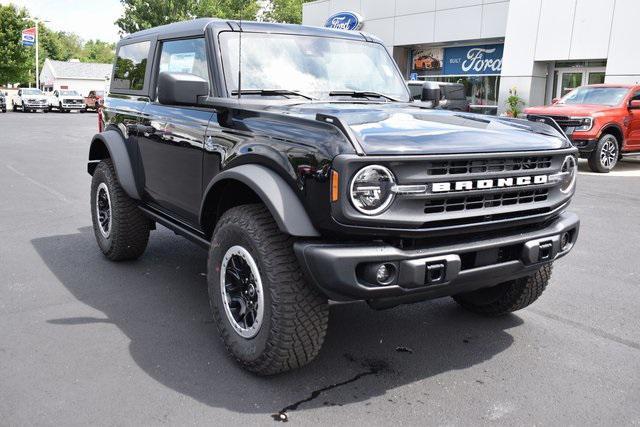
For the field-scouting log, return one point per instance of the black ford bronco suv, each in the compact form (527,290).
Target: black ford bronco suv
(295,157)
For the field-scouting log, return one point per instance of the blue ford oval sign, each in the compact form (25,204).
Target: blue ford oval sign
(345,21)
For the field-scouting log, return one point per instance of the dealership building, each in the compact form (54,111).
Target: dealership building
(542,48)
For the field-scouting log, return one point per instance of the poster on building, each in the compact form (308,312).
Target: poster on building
(473,60)
(427,59)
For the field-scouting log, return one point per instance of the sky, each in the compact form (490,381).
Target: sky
(90,19)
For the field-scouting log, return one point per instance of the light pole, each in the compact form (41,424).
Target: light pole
(37,21)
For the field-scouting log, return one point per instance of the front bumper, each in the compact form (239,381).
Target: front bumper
(458,267)
(585,146)
(35,106)
(73,106)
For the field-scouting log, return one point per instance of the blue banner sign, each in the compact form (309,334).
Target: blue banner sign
(345,21)
(483,59)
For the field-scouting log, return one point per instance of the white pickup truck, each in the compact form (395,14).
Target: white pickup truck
(29,99)
(65,100)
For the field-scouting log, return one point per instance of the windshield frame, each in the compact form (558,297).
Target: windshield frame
(70,92)
(625,89)
(223,57)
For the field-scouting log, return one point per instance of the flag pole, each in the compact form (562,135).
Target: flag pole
(37,65)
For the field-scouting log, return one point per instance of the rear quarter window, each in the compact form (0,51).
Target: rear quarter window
(131,66)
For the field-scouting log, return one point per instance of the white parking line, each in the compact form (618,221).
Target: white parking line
(625,168)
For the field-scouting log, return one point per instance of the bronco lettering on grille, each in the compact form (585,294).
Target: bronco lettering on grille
(482,184)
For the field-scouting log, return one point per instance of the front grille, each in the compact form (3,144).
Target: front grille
(459,167)
(565,121)
(485,201)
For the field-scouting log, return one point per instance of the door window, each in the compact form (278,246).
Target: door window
(185,56)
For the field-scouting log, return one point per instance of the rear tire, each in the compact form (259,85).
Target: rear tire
(606,154)
(121,229)
(506,297)
(293,320)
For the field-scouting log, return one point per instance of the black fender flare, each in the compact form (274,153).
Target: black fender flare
(275,193)
(119,155)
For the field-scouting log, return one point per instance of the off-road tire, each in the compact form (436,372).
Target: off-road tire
(595,162)
(295,313)
(129,230)
(506,297)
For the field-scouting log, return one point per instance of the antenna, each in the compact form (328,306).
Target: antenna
(240,60)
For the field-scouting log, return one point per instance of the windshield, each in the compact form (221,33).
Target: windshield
(595,95)
(31,92)
(314,66)
(69,93)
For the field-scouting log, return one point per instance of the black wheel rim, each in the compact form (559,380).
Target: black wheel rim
(242,293)
(103,210)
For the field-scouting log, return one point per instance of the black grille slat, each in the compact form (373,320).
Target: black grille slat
(465,203)
(463,167)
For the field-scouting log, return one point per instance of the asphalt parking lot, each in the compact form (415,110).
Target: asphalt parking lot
(84,341)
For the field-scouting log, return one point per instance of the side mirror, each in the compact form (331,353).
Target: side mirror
(431,92)
(634,104)
(555,100)
(181,88)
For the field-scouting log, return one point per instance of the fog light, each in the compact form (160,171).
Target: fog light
(565,241)
(384,274)
(378,274)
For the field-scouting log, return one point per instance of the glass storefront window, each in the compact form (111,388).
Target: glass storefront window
(481,91)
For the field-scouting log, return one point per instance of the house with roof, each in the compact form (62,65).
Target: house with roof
(75,75)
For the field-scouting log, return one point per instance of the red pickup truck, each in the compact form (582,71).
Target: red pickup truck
(602,121)
(94,99)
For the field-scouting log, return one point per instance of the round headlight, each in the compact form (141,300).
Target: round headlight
(371,189)
(569,172)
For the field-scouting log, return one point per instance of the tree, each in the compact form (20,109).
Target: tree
(142,14)
(289,11)
(98,51)
(15,58)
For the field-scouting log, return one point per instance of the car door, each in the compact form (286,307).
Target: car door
(633,126)
(171,138)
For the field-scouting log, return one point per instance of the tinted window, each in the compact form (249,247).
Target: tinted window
(131,65)
(185,56)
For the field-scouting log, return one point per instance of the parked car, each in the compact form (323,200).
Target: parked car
(3,102)
(93,100)
(29,99)
(303,191)
(65,100)
(602,120)
(453,95)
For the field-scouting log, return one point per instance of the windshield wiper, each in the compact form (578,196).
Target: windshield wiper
(361,94)
(271,92)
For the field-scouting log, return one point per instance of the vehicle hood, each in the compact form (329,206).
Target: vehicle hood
(394,128)
(568,110)
(78,97)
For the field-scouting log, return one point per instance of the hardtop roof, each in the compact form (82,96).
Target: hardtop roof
(198,26)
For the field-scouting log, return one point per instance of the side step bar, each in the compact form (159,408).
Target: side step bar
(180,229)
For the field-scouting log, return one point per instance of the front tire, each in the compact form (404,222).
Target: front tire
(605,156)
(506,297)
(251,262)
(121,229)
